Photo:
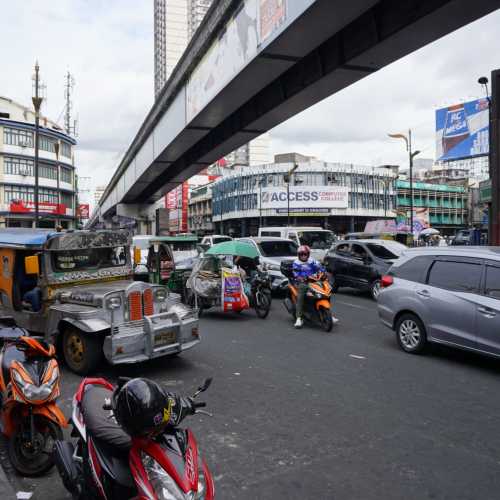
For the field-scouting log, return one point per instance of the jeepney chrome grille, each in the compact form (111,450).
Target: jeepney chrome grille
(130,328)
(147,298)
(135,305)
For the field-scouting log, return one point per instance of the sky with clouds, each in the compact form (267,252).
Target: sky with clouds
(108,46)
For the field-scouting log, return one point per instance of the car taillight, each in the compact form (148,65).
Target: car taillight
(386,281)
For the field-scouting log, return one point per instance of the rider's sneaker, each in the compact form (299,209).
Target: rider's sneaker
(299,323)
(335,320)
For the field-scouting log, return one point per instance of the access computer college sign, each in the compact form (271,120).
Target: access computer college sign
(305,199)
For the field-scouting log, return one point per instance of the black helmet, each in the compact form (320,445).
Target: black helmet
(141,407)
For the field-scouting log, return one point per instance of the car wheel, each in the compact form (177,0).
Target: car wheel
(410,332)
(375,289)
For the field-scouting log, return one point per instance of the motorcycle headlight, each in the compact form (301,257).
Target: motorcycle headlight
(319,295)
(114,302)
(34,392)
(163,485)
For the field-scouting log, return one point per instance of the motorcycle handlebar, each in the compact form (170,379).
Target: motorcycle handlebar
(201,404)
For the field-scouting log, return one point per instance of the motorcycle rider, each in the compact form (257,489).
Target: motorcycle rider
(303,268)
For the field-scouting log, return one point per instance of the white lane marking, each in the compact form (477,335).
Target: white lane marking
(352,305)
(236,373)
(356,356)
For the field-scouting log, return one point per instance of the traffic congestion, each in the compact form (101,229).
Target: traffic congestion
(105,297)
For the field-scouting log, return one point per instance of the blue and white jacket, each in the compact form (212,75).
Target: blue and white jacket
(302,270)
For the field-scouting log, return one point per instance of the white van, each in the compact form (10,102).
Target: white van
(319,240)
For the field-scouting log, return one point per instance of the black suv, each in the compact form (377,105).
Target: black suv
(361,263)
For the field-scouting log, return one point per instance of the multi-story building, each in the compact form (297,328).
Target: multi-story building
(200,210)
(98,192)
(340,197)
(447,206)
(56,171)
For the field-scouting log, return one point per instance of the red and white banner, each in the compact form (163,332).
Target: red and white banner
(83,211)
(23,207)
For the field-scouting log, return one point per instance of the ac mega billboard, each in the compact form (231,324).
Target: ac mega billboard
(462,130)
(305,198)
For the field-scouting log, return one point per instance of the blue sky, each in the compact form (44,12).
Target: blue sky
(108,46)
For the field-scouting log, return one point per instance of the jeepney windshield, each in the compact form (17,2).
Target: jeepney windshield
(86,259)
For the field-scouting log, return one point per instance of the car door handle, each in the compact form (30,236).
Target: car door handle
(486,311)
(424,293)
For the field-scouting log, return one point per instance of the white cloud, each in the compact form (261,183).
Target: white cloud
(108,46)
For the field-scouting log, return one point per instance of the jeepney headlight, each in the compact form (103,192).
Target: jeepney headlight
(160,295)
(114,302)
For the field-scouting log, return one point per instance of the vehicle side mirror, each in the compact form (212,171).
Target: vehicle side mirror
(31,265)
(205,385)
(137,255)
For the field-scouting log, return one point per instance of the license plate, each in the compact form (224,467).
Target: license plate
(164,338)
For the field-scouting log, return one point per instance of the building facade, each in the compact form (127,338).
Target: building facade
(56,171)
(446,206)
(200,210)
(339,197)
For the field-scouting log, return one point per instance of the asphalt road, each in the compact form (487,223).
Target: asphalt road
(346,415)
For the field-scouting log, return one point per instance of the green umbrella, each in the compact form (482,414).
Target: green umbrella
(233,247)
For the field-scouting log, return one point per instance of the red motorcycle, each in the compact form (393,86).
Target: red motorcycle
(108,463)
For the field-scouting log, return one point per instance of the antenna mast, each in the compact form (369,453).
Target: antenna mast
(68,90)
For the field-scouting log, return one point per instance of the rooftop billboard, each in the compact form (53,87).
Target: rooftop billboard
(462,130)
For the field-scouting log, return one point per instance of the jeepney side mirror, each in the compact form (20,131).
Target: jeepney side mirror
(137,256)
(31,265)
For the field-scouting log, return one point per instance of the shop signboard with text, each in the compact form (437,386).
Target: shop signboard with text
(305,198)
(23,207)
(83,211)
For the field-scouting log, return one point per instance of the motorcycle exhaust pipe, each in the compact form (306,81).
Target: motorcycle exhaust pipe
(68,470)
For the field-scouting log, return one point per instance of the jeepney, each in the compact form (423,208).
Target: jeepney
(88,304)
(166,260)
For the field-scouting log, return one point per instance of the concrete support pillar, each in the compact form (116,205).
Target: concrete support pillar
(244,227)
(494,223)
(351,225)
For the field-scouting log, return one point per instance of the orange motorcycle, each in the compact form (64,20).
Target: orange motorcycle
(316,303)
(29,385)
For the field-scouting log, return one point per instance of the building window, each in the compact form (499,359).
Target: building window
(47,195)
(67,199)
(18,166)
(18,137)
(66,149)
(66,175)
(47,171)
(27,193)
(47,144)
(14,193)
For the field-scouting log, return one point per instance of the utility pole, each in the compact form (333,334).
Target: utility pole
(37,103)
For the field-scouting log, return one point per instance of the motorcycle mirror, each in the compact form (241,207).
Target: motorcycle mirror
(203,387)
(206,384)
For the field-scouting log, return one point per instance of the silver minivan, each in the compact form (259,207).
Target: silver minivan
(446,295)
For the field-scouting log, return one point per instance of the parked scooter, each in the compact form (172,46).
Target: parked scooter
(317,301)
(260,294)
(109,463)
(30,419)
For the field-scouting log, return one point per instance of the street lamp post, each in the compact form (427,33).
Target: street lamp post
(287,177)
(411,155)
(37,103)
